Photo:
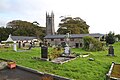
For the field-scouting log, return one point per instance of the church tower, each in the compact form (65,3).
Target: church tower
(50,24)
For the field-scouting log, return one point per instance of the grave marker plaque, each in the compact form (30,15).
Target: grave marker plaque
(111,51)
(44,52)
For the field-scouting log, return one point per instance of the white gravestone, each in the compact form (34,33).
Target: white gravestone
(14,46)
(67,50)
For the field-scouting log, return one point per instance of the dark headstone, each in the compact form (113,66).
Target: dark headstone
(19,44)
(40,44)
(44,52)
(111,51)
(23,44)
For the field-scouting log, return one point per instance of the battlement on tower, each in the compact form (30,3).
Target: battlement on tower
(50,30)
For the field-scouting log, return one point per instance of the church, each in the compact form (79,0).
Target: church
(50,30)
(74,40)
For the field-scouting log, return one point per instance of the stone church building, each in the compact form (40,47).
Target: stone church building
(74,40)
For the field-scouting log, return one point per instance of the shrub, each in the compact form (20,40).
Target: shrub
(92,44)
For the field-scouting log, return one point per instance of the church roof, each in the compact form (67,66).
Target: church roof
(96,35)
(22,38)
(16,38)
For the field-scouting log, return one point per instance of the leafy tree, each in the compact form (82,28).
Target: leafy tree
(118,36)
(92,44)
(73,25)
(24,28)
(110,38)
(4,32)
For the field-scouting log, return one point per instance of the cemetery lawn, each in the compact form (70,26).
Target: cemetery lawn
(78,69)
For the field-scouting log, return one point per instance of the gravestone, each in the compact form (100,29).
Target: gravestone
(40,44)
(14,46)
(67,50)
(44,52)
(19,44)
(23,44)
(111,51)
(30,46)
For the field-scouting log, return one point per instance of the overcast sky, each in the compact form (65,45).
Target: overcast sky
(101,15)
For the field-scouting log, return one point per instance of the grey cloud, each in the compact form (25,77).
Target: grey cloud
(20,6)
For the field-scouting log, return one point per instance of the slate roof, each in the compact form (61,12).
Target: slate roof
(96,35)
(16,38)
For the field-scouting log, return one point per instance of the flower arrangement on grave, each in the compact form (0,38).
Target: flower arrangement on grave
(55,52)
(11,65)
(11,62)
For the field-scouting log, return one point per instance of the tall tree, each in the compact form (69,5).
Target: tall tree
(110,38)
(4,32)
(74,26)
(24,28)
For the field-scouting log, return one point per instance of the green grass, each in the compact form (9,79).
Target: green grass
(78,69)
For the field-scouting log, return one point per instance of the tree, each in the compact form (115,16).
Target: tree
(24,28)
(118,36)
(110,38)
(73,25)
(4,32)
